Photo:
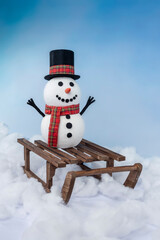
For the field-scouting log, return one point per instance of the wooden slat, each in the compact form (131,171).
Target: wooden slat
(73,159)
(47,156)
(78,158)
(48,149)
(97,155)
(31,174)
(63,155)
(87,157)
(103,150)
(54,158)
(82,157)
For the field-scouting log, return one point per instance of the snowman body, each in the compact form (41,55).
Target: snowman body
(60,92)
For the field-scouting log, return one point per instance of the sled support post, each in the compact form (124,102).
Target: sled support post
(50,172)
(27,158)
(110,163)
(51,163)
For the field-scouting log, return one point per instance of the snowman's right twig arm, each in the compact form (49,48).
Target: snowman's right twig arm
(89,102)
(32,103)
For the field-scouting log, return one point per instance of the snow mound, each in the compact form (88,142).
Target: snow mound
(104,210)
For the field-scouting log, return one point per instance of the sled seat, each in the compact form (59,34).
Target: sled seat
(84,152)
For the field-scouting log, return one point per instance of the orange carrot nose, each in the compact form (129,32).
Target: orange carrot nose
(67,90)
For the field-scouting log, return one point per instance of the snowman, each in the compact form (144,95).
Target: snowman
(62,125)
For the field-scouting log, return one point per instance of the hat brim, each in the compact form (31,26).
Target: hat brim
(50,76)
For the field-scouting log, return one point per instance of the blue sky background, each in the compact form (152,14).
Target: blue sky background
(117,54)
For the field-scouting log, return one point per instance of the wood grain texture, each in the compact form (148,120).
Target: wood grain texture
(94,153)
(84,167)
(106,170)
(59,153)
(85,152)
(27,158)
(68,186)
(47,156)
(131,180)
(103,150)
(133,176)
(110,163)
(50,172)
(82,157)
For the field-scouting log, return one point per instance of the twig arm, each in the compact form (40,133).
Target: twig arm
(32,103)
(89,102)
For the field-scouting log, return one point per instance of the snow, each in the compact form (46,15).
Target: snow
(104,210)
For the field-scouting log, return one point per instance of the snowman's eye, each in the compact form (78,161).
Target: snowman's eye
(60,84)
(71,84)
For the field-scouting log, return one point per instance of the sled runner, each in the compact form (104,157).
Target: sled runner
(85,152)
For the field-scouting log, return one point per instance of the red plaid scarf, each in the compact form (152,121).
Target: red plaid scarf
(56,112)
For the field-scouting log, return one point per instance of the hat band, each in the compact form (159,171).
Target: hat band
(61,69)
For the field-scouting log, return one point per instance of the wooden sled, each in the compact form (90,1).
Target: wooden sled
(85,152)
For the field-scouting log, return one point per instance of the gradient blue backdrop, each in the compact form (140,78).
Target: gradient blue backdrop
(117,54)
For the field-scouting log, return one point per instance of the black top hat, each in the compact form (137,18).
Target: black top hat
(61,64)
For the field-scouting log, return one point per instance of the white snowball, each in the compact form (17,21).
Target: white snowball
(55,95)
(52,89)
(77,130)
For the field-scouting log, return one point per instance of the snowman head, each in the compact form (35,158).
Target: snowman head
(62,91)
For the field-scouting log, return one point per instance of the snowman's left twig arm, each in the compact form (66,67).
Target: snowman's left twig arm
(89,102)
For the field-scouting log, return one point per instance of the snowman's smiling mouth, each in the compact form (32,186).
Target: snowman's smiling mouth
(67,99)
